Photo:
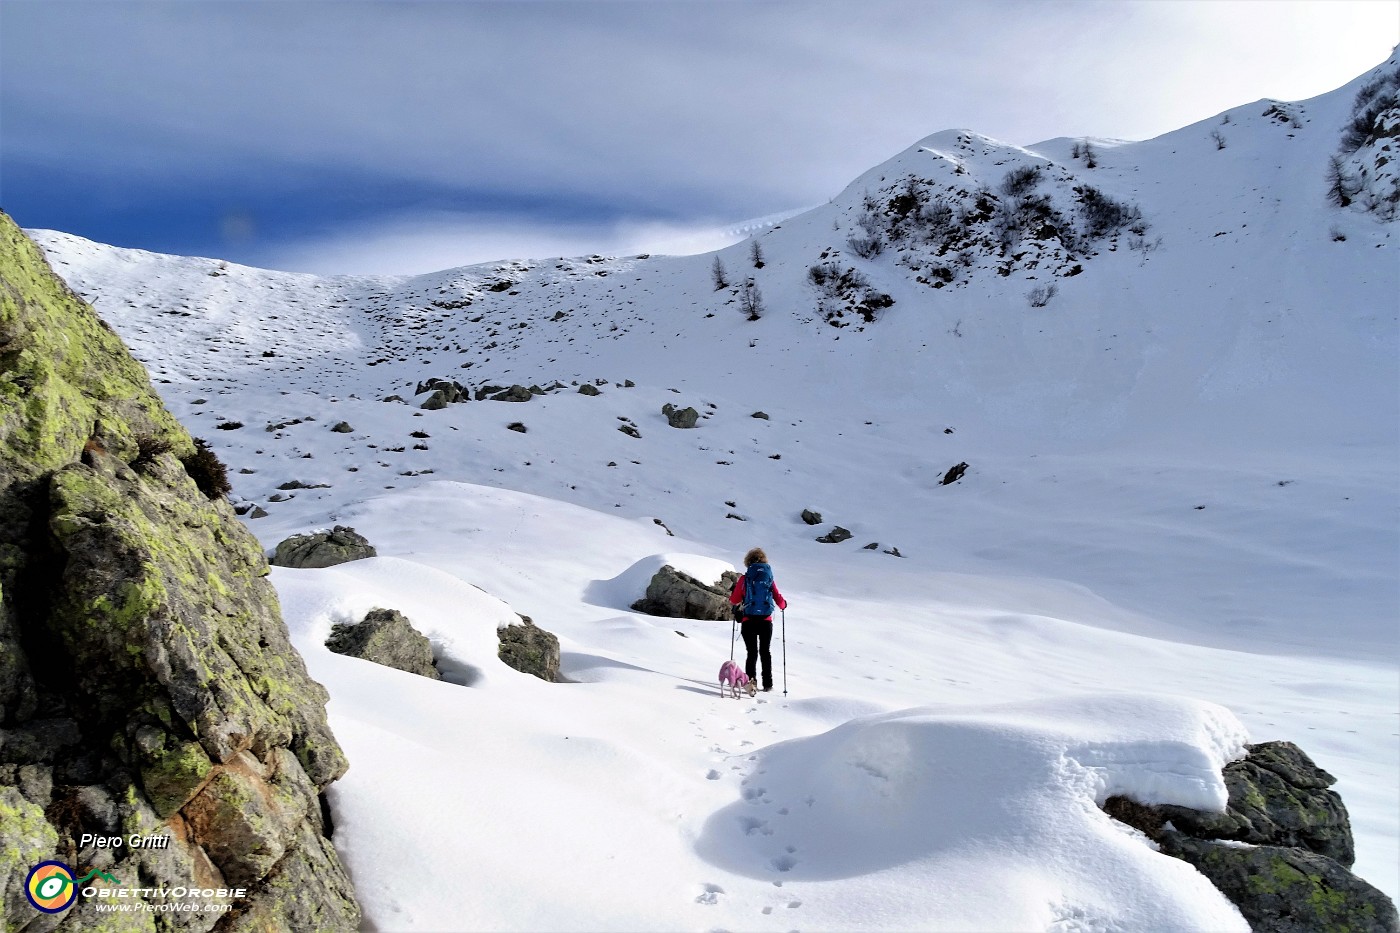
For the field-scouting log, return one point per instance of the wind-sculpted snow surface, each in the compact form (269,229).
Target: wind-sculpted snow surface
(937,763)
(1004,795)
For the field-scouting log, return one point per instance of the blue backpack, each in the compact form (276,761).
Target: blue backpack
(758,591)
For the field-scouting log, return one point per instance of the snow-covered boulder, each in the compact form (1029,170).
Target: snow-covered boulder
(1285,889)
(1281,848)
(323,549)
(677,595)
(530,649)
(386,637)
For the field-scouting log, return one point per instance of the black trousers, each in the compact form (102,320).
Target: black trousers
(758,637)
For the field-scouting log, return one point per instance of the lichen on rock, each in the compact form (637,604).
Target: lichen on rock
(530,649)
(1287,889)
(146,675)
(1280,851)
(340,545)
(675,594)
(385,636)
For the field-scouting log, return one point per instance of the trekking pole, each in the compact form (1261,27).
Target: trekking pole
(784,652)
(733,625)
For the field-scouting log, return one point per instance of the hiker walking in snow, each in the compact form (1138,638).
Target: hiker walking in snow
(754,596)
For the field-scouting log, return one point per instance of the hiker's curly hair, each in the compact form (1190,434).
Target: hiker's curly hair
(755,556)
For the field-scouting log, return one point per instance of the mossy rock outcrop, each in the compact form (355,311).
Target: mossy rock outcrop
(686,417)
(385,636)
(145,668)
(1277,796)
(1282,849)
(675,594)
(530,649)
(340,545)
(28,840)
(1287,889)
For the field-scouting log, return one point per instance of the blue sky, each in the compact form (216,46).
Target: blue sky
(362,137)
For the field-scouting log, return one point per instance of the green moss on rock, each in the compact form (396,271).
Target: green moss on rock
(27,839)
(530,649)
(1285,889)
(152,623)
(138,605)
(65,375)
(172,775)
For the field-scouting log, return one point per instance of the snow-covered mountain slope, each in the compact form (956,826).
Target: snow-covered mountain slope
(1184,478)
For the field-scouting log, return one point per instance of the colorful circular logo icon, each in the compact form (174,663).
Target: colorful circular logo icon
(50,887)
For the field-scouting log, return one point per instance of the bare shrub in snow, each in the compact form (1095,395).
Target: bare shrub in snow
(909,199)
(1341,187)
(718,275)
(1143,246)
(1040,296)
(936,218)
(1365,123)
(871,241)
(751,301)
(1104,216)
(1020,181)
(831,279)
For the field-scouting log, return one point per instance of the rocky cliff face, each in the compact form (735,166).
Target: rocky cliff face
(148,690)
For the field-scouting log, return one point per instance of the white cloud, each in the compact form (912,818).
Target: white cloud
(410,245)
(742,105)
(584,110)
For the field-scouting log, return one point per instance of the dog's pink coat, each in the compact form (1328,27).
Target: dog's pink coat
(733,675)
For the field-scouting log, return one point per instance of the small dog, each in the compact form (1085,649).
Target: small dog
(733,675)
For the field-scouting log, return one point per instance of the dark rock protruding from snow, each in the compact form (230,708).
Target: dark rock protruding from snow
(589,388)
(343,427)
(385,636)
(444,392)
(1287,890)
(811,518)
(449,386)
(762,416)
(516,393)
(1281,851)
(835,536)
(323,549)
(680,417)
(677,595)
(438,400)
(530,649)
(1277,797)
(954,474)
